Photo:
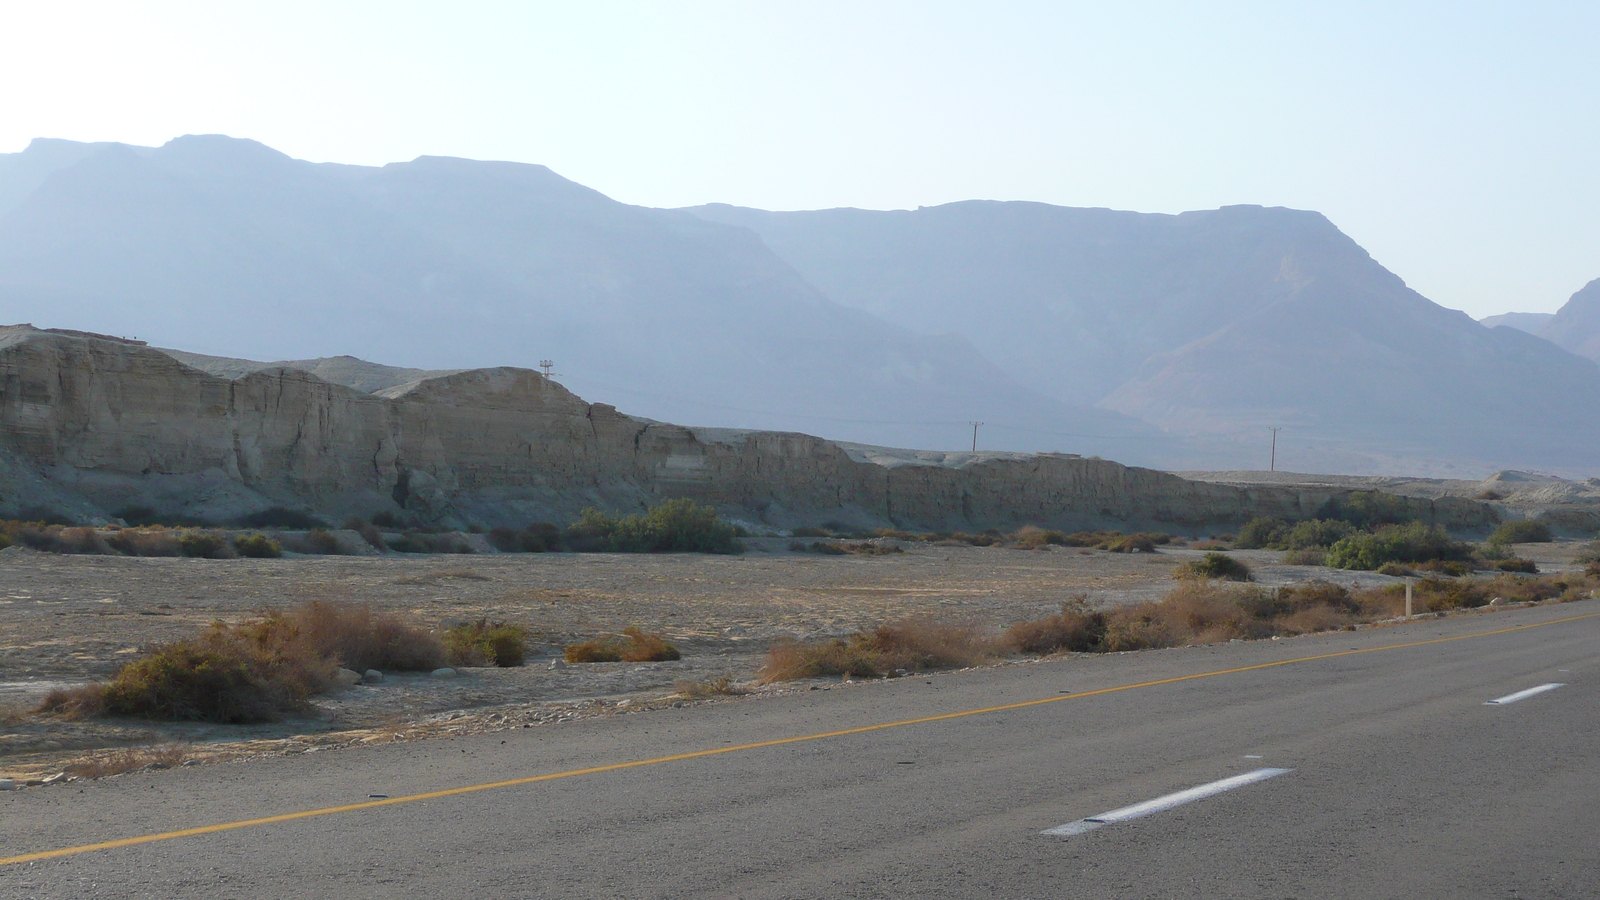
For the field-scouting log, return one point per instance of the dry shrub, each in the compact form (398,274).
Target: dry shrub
(131,759)
(79,539)
(869,548)
(257,546)
(1137,632)
(1196,612)
(1077,628)
(487,643)
(355,636)
(633,645)
(1193,613)
(1030,537)
(254,672)
(916,644)
(721,686)
(218,677)
(1210,544)
(1133,543)
(74,703)
(642,646)
(600,649)
(1444,594)
(145,542)
(1098,539)
(204,545)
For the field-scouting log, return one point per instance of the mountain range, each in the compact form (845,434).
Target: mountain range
(1171,340)
(1574,327)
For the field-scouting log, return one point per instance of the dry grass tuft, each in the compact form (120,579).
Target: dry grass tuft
(633,645)
(722,686)
(132,759)
(488,643)
(913,645)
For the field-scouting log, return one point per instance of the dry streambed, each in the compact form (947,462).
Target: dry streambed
(67,620)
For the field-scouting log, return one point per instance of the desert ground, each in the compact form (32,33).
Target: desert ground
(67,620)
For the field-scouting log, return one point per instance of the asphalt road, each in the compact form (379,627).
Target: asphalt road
(1402,782)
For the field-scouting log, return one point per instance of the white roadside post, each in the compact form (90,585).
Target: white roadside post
(1408,597)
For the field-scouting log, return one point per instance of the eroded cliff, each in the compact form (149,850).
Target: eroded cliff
(90,425)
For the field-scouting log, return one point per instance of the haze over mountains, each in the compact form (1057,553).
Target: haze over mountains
(1215,322)
(1079,330)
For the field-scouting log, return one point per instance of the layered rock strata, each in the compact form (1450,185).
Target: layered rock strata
(91,425)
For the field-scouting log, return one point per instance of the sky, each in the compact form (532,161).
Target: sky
(1457,142)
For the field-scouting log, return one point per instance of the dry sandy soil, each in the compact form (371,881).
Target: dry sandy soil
(70,619)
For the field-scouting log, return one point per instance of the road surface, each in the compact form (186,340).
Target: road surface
(1375,764)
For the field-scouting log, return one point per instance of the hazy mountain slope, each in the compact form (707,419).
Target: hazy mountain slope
(1344,364)
(349,371)
(228,247)
(1521,321)
(1218,322)
(1576,326)
(1070,300)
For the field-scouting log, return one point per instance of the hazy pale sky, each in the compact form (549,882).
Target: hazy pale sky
(1458,142)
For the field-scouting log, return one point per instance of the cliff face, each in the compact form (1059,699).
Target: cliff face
(90,425)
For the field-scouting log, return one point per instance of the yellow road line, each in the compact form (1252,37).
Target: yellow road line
(696,754)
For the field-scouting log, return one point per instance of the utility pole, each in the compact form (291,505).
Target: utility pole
(1274,463)
(975,436)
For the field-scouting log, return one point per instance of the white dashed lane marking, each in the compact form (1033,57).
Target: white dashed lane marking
(1522,695)
(1162,804)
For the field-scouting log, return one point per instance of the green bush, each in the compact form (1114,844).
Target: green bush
(680,526)
(204,545)
(1522,531)
(1370,509)
(1308,556)
(257,546)
(1260,533)
(484,642)
(1316,533)
(1410,543)
(1218,566)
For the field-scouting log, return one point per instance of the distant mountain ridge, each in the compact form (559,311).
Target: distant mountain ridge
(1220,322)
(1521,321)
(1576,325)
(1168,340)
(229,247)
